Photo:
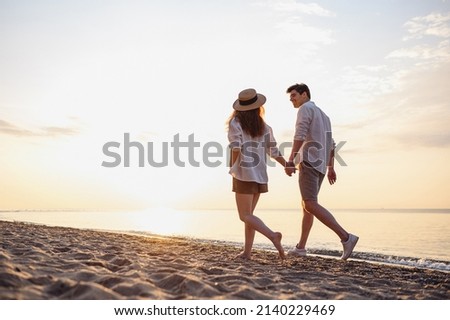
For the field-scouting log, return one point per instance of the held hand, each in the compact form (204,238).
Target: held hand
(289,169)
(331,175)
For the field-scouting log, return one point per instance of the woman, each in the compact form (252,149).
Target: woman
(250,140)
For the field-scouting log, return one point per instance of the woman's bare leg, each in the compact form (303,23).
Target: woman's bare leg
(246,204)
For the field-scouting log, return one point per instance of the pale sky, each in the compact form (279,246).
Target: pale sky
(75,75)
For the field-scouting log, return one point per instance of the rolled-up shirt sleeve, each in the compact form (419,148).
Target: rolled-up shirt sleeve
(271,147)
(304,118)
(234,135)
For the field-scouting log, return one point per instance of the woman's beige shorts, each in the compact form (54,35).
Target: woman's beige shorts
(249,187)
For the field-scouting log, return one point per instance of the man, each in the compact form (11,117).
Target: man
(313,150)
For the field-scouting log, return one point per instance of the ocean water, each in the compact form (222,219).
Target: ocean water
(410,237)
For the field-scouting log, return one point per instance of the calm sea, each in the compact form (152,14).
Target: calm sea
(412,237)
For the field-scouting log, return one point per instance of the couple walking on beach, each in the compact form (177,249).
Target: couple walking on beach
(313,151)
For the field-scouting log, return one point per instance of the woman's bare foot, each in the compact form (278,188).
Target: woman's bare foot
(244,255)
(276,240)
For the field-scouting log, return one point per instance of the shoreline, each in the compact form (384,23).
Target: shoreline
(374,258)
(412,246)
(41,262)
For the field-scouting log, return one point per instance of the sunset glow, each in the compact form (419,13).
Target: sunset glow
(78,75)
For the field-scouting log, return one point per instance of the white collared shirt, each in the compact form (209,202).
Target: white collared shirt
(313,127)
(251,164)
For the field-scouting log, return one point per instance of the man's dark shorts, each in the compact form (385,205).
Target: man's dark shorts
(309,181)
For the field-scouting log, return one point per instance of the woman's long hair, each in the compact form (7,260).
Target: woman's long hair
(252,121)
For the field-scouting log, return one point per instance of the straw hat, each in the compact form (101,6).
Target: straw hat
(248,100)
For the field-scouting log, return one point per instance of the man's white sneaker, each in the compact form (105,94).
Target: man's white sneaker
(297,252)
(349,245)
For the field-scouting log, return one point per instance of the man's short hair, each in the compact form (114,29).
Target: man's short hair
(300,88)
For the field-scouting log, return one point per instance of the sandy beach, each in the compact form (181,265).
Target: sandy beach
(39,262)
